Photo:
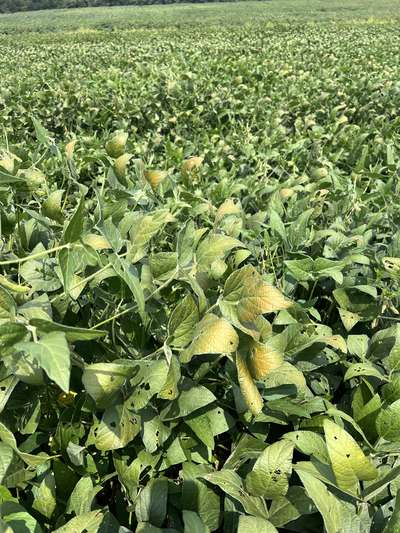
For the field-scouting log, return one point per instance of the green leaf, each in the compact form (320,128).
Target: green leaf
(200,497)
(104,380)
(45,496)
(393,525)
(148,380)
(287,508)
(81,499)
(231,484)
(190,399)
(363,369)
(52,354)
(18,519)
(327,504)
(42,135)
(309,443)
(375,488)
(388,422)
(151,505)
(117,428)
(193,523)
(270,475)
(348,460)
(8,439)
(214,246)
(6,458)
(84,523)
(129,275)
(254,523)
(182,322)
(73,231)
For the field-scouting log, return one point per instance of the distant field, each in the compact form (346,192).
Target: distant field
(200,268)
(199,14)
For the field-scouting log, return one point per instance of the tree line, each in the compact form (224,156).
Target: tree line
(11,6)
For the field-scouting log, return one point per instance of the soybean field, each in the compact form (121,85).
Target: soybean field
(200,268)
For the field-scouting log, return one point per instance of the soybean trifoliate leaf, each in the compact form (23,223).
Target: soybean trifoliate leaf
(263,359)
(393,525)
(52,354)
(348,318)
(193,163)
(213,335)
(115,146)
(247,296)
(6,458)
(392,265)
(270,475)
(182,322)
(248,388)
(97,242)
(199,496)
(51,207)
(388,422)
(349,463)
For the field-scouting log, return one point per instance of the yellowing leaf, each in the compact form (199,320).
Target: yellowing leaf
(229,207)
(115,147)
(192,163)
(155,177)
(263,359)
(120,165)
(11,286)
(98,242)
(247,296)
(392,264)
(349,463)
(213,335)
(69,149)
(247,386)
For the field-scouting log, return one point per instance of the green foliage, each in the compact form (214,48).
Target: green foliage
(199,270)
